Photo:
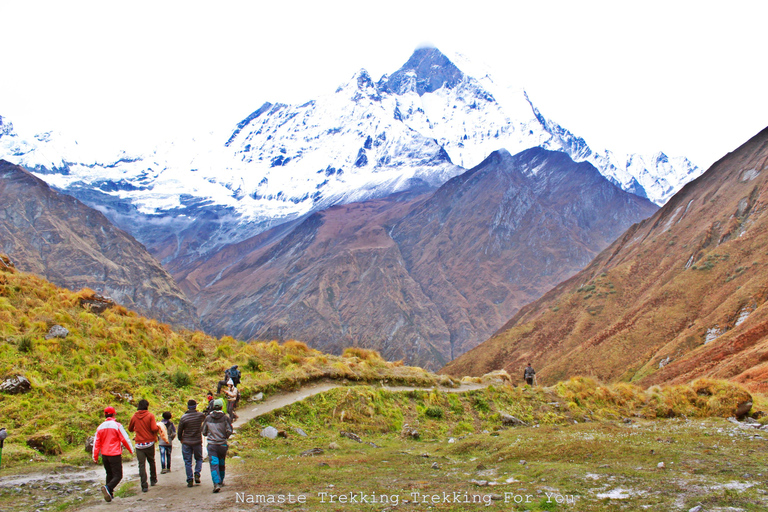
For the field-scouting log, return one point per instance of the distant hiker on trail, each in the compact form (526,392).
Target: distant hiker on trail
(144,425)
(232,374)
(110,439)
(190,435)
(529,374)
(166,445)
(231,393)
(217,428)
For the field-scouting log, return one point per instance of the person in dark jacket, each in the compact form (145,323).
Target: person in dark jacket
(144,425)
(167,447)
(529,374)
(217,428)
(191,438)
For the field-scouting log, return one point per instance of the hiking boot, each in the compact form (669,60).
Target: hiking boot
(163,471)
(153,482)
(144,489)
(216,487)
(197,478)
(189,483)
(106,493)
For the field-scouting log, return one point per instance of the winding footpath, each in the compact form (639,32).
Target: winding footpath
(171,492)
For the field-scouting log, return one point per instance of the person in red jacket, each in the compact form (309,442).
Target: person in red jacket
(145,426)
(109,441)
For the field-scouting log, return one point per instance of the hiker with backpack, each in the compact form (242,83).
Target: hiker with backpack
(232,374)
(232,395)
(529,375)
(217,428)
(166,445)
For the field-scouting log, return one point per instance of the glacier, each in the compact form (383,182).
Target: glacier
(425,123)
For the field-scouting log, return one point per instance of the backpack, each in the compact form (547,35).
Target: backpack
(235,374)
(171,430)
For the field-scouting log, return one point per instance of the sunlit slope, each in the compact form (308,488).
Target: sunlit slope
(678,296)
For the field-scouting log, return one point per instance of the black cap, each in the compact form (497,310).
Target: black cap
(191,404)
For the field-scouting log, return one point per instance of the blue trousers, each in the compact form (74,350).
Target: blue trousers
(187,451)
(165,457)
(217,455)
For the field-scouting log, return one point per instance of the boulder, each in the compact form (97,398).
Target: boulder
(351,436)
(89,444)
(57,331)
(742,409)
(312,452)
(16,385)
(269,432)
(333,446)
(511,421)
(409,431)
(45,444)
(96,303)
(299,431)
(258,397)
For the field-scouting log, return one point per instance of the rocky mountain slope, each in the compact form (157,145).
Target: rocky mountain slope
(418,277)
(423,124)
(678,296)
(58,237)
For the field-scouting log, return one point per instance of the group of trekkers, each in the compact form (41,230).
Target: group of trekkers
(213,424)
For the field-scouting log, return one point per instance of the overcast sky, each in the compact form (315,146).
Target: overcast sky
(687,78)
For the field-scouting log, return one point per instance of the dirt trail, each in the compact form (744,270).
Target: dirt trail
(171,491)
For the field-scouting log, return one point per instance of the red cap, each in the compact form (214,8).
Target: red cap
(109,411)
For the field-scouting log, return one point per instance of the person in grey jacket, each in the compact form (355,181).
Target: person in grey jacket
(217,428)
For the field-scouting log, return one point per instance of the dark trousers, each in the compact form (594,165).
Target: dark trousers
(113,465)
(529,381)
(231,405)
(217,455)
(188,451)
(145,455)
(165,457)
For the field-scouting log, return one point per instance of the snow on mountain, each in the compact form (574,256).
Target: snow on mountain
(423,124)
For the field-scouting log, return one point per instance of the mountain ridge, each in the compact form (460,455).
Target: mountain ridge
(677,296)
(419,277)
(423,124)
(61,239)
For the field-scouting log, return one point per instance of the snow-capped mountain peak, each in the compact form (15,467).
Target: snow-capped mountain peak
(419,126)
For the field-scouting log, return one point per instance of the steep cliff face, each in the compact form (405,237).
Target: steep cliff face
(679,296)
(418,277)
(492,240)
(74,246)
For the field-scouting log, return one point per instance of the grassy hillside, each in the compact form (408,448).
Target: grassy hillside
(601,446)
(678,296)
(117,357)
(579,438)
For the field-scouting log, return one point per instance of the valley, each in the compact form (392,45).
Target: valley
(382,261)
